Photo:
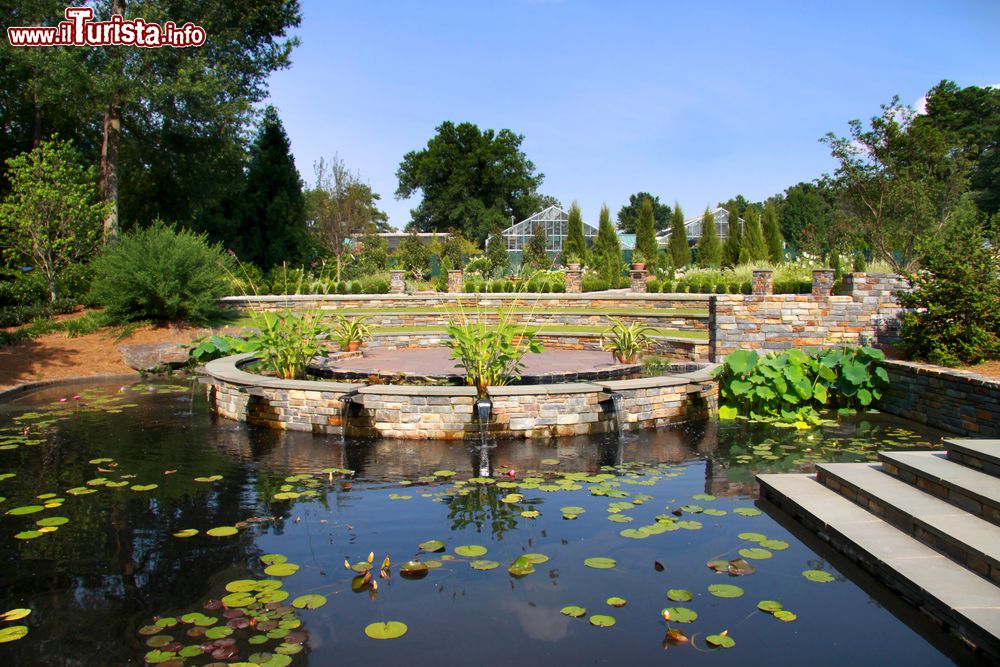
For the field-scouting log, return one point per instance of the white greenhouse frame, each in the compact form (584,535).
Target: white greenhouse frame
(554,221)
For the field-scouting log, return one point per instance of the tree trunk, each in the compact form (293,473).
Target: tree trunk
(36,136)
(109,167)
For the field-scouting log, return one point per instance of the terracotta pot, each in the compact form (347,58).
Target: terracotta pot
(638,266)
(573,266)
(623,360)
(353,346)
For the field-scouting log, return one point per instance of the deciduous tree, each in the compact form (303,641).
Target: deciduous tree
(628,215)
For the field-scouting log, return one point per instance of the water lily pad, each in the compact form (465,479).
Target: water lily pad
(386,630)
(80,491)
(549,462)
(703,496)
(444,473)
(722,641)
(769,606)
(755,553)
(258,639)
(752,537)
(484,565)
(311,601)
(431,545)
(286,495)
(600,563)
(52,521)
(775,545)
(536,558)
(470,550)
(679,595)
(210,478)
(572,509)
(725,590)
(187,532)
(785,615)
(689,525)
(711,511)
(679,615)
(144,487)
(512,498)
(218,632)
(241,585)
(634,533)
(281,569)
(530,514)
(819,576)
(602,620)
(616,601)
(620,518)
(28,534)
(222,531)
(748,511)
(574,611)
(25,509)
(241,599)
(522,566)
(273,559)
(14,614)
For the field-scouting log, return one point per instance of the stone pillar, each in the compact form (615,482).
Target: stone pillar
(574,280)
(638,281)
(763,282)
(857,286)
(822,282)
(454,281)
(397,284)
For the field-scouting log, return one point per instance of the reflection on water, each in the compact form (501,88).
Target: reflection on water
(117,564)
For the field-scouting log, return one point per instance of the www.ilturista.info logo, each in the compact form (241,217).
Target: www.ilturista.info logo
(80,30)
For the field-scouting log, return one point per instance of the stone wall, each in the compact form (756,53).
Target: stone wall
(340,302)
(417,412)
(538,317)
(958,401)
(868,313)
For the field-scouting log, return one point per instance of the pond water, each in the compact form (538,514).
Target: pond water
(114,474)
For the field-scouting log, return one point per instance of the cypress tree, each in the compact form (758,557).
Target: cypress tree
(535,255)
(575,244)
(679,249)
(731,248)
(753,237)
(772,234)
(709,247)
(497,255)
(607,249)
(273,216)
(645,234)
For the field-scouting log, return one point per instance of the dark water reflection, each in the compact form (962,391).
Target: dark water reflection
(116,564)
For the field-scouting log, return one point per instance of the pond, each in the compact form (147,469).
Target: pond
(136,526)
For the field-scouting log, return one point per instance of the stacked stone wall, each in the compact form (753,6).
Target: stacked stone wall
(961,402)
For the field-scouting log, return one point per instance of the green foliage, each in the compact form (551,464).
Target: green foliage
(731,248)
(954,318)
(709,247)
(838,269)
(490,356)
(52,215)
(772,234)
(628,215)
(497,257)
(413,256)
(575,244)
(214,347)
(456,247)
(793,385)
(625,341)
(753,237)
(352,330)
(273,215)
(806,217)
(287,342)
(645,234)
(607,249)
(374,255)
(535,255)
(679,250)
(162,274)
(858,262)
(470,179)
(591,281)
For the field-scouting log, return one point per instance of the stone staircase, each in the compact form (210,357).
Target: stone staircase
(926,524)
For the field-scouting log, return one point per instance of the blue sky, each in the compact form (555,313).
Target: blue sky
(692,101)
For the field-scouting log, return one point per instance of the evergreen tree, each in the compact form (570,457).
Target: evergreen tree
(772,234)
(731,248)
(679,249)
(709,247)
(607,249)
(273,221)
(575,244)
(535,255)
(645,234)
(413,256)
(753,237)
(497,255)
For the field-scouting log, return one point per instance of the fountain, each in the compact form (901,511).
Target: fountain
(483,408)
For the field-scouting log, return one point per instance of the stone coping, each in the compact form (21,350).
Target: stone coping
(431,331)
(227,369)
(482,296)
(944,372)
(415,390)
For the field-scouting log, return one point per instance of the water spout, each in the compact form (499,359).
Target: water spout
(616,401)
(483,408)
(345,409)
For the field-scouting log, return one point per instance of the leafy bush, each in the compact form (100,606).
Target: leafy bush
(161,273)
(490,355)
(955,319)
(24,290)
(791,386)
(287,342)
(213,347)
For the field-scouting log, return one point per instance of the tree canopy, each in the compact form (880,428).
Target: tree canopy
(628,215)
(607,249)
(709,246)
(470,179)
(575,244)
(645,234)
(680,252)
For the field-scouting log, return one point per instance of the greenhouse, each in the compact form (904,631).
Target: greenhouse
(554,221)
(692,227)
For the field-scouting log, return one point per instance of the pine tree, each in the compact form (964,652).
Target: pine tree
(607,249)
(535,255)
(273,220)
(709,247)
(679,249)
(753,237)
(645,234)
(575,245)
(772,234)
(731,248)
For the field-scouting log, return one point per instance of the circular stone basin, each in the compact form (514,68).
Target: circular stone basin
(551,365)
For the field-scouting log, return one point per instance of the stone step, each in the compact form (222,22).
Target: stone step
(932,472)
(937,585)
(966,539)
(979,454)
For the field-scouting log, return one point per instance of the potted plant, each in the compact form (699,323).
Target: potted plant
(351,332)
(638,260)
(572,261)
(625,341)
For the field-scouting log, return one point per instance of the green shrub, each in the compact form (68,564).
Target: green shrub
(356,287)
(161,273)
(24,290)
